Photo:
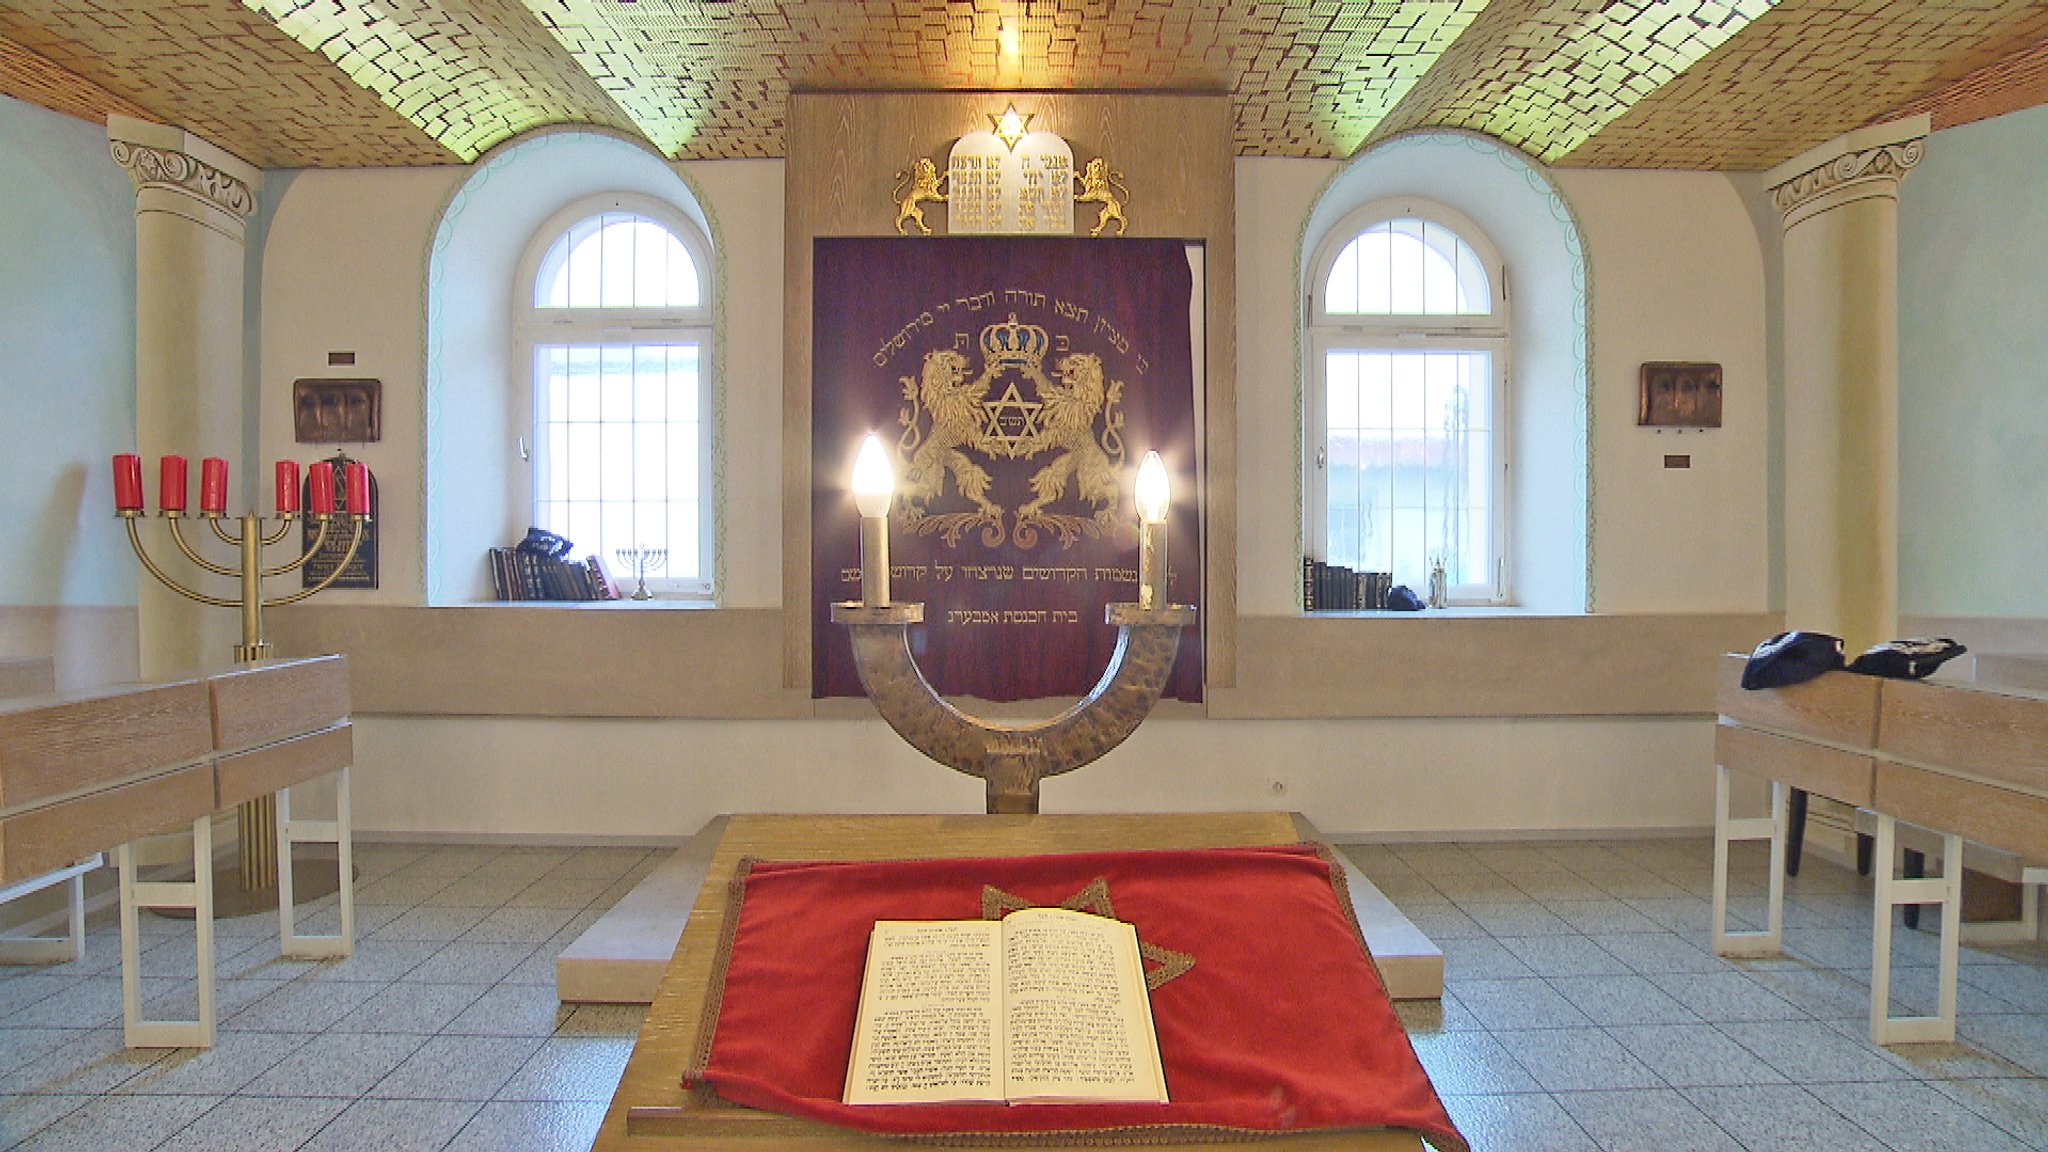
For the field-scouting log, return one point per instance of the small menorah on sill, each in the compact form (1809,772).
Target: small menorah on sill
(251,541)
(641,561)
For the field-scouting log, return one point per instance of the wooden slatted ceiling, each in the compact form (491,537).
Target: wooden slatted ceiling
(1807,72)
(225,73)
(1734,84)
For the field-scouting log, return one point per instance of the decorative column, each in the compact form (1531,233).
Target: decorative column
(192,201)
(1838,205)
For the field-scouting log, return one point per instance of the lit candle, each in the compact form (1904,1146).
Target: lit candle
(320,488)
(128,482)
(287,487)
(213,486)
(874,486)
(357,481)
(1153,498)
(170,493)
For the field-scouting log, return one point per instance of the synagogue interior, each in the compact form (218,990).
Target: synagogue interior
(651,448)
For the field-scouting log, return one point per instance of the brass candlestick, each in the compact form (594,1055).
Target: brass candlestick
(1012,758)
(255,820)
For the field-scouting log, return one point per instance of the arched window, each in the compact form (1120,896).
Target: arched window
(1407,394)
(614,321)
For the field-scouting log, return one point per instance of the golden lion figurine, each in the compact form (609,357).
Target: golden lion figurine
(924,185)
(1099,185)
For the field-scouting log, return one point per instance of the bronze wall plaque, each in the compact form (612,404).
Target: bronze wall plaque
(1680,395)
(337,411)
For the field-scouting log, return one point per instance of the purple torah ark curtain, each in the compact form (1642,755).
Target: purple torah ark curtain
(1017,382)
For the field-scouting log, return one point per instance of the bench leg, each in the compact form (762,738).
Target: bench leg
(196,894)
(52,949)
(1726,831)
(336,832)
(1946,891)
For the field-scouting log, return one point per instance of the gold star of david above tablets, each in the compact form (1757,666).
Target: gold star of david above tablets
(1161,964)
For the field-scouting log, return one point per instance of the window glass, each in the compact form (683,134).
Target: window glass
(620,402)
(617,260)
(1408,267)
(1407,410)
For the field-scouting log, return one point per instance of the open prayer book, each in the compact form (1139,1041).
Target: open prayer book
(1046,1005)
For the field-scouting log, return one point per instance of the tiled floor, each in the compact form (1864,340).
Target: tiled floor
(1582,1012)
(441,1032)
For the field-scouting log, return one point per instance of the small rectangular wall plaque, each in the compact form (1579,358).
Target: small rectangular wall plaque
(1677,394)
(337,411)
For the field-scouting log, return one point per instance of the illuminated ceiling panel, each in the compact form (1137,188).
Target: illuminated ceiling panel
(1544,75)
(1311,78)
(469,73)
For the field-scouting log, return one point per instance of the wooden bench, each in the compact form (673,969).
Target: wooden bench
(1969,762)
(36,677)
(91,771)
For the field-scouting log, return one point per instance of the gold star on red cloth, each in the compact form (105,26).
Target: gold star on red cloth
(1161,964)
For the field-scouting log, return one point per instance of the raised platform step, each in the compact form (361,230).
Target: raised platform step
(620,959)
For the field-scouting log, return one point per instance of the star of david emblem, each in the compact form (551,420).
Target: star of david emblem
(1010,422)
(1161,964)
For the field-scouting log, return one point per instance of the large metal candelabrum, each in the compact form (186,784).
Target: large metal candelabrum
(1011,759)
(256,820)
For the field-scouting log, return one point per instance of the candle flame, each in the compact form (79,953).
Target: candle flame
(874,483)
(1154,494)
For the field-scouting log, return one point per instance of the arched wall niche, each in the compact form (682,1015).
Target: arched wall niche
(1522,211)
(471,467)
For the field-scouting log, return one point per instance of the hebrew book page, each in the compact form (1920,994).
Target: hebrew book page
(929,1028)
(1076,1012)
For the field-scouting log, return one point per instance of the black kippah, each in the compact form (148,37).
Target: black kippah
(1906,659)
(1791,658)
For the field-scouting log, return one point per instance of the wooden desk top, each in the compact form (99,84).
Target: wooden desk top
(650,1110)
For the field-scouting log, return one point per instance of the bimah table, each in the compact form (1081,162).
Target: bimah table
(651,1109)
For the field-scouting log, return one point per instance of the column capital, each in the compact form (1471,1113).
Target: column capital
(209,183)
(1861,165)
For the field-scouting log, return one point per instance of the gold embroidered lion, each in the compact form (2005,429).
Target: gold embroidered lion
(954,402)
(1100,185)
(924,186)
(1066,423)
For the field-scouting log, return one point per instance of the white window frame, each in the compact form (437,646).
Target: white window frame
(1409,332)
(534,326)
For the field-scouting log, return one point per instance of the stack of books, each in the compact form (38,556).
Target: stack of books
(518,574)
(1335,588)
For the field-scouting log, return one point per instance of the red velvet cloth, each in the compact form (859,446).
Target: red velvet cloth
(1281,1025)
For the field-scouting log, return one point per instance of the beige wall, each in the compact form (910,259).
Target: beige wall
(354,246)
(1677,275)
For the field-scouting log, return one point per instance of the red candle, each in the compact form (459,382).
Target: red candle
(358,484)
(287,486)
(128,482)
(320,488)
(170,494)
(213,486)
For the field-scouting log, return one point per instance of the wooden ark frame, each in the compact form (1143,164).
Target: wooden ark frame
(1176,154)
